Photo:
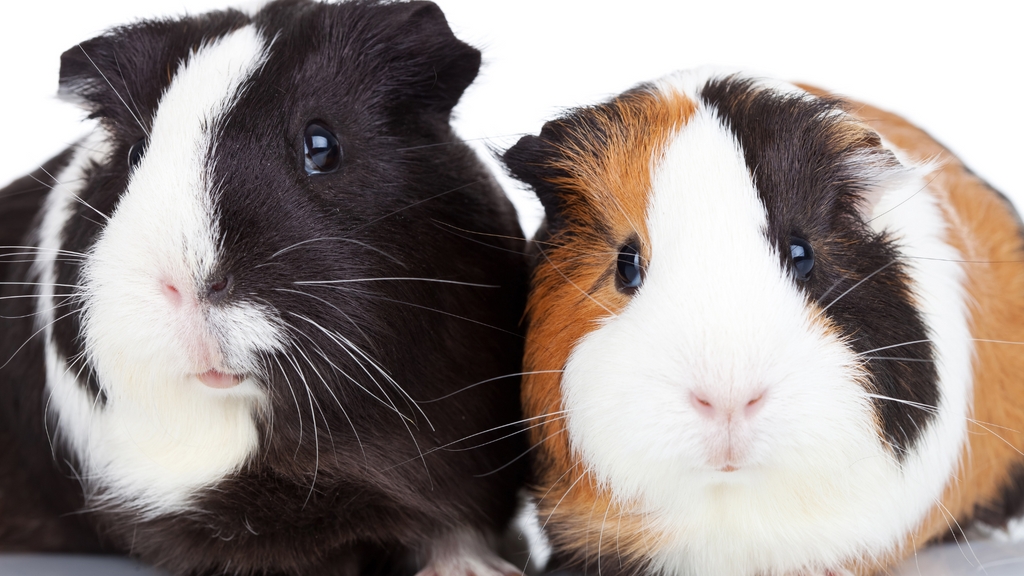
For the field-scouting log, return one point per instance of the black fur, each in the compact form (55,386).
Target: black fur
(811,182)
(410,200)
(38,494)
(810,178)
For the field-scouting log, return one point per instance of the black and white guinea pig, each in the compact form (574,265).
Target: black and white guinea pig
(771,332)
(242,319)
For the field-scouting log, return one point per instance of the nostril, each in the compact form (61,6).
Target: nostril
(170,291)
(755,404)
(219,288)
(703,406)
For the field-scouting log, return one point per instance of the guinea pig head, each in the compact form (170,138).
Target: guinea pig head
(266,258)
(728,359)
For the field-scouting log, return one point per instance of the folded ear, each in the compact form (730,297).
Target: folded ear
(435,66)
(876,169)
(535,160)
(121,75)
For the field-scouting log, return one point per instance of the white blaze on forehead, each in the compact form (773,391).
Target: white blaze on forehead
(717,308)
(162,435)
(169,198)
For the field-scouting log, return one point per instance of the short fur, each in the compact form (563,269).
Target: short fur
(874,422)
(363,304)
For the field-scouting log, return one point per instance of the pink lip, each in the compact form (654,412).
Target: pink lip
(215,379)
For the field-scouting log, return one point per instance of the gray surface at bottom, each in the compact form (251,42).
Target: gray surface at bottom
(980,558)
(72,565)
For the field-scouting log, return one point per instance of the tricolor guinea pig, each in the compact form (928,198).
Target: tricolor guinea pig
(244,319)
(771,332)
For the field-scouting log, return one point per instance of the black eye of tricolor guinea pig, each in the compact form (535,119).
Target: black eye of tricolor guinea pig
(767,334)
(248,302)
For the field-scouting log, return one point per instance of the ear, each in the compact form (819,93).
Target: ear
(537,161)
(86,69)
(122,74)
(880,172)
(438,67)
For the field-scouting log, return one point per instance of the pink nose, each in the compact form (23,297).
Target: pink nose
(712,408)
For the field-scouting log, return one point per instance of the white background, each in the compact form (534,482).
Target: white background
(954,69)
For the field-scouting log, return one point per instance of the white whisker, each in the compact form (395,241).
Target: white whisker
(114,90)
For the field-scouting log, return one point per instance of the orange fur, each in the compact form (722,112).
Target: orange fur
(988,236)
(615,183)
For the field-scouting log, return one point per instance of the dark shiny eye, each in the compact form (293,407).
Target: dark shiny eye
(323,152)
(803,258)
(630,270)
(136,152)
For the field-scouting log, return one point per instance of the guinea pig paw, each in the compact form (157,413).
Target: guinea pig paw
(466,555)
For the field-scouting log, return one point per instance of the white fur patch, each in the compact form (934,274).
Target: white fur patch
(465,553)
(717,314)
(162,434)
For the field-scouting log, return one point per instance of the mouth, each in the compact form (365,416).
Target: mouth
(220,380)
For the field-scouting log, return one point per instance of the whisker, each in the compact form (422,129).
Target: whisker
(475,434)
(65,302)
(559,503)
(582,291)
(42,249)
(459,141)
(338,239)
(926,340)
(477,446)
(962,533)
(347,345)
(34,334)
(397,278)
(127,91)
(73,195)
(339,310)
(926,185)
(897,359)
(486,381)
(513,461)
(919,405)
(345,374)
(114,90)
(340,406)
(296,399)
(1005,441)
(996,341)
(963,261)
(449,229)
(388,215)
(52,285)
(403,420)
(863,280)
(386,299)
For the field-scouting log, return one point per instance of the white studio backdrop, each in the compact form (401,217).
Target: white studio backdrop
(954,69)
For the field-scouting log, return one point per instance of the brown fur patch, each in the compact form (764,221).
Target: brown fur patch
(988,235)
(607,189)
